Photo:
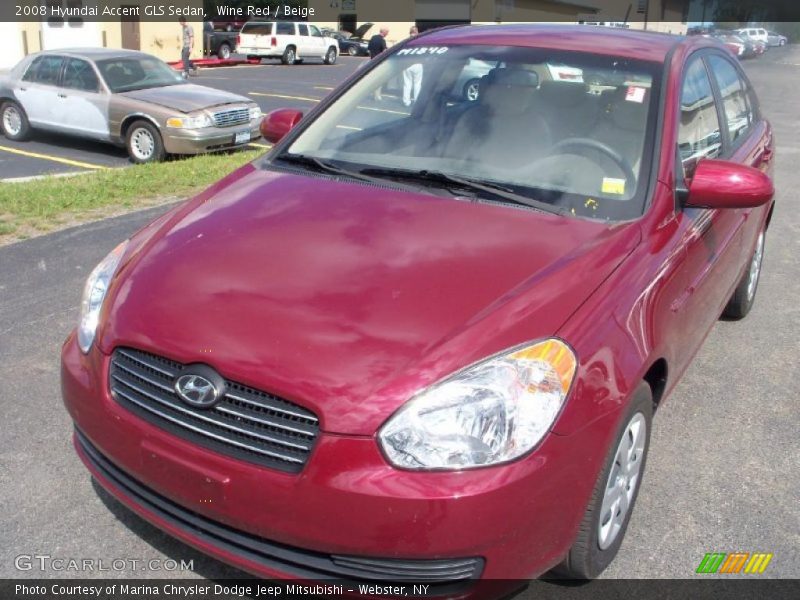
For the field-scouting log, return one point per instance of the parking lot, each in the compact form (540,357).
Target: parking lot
(723,472)
(271,84)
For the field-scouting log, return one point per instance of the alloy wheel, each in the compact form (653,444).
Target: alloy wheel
(755,267)
(12,120)
(623,479)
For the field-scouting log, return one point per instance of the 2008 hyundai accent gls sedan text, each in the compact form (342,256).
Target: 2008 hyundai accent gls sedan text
(426,343)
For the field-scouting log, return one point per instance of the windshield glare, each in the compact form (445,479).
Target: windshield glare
(127,74)
(573,130)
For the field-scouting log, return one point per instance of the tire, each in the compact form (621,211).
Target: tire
(330,56)
(471,90)
(591,553)
(745,293)
(289,56)
(352,51)
(144,144)
(782,43)
(224,52)
(14,122)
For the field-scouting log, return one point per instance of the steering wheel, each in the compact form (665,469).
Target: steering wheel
(619,160)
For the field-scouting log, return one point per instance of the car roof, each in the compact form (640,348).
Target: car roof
(628,43)
(96,53)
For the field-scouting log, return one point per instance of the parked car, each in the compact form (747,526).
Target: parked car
(776,39)
(429,344)
(228,24)
(755,34)
(352,46)
(127,98)
(287,40)
(734,44)
(218,43)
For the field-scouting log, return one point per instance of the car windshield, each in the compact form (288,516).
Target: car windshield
(572,132)
(128,74)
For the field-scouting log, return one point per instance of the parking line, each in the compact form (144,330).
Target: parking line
(256,145)
(283,96)
(324,87)
(58,159)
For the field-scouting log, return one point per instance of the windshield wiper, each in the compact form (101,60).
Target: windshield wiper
(325,167)
(497,190)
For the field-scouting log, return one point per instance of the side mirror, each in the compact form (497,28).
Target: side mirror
(278,123)
(723,184)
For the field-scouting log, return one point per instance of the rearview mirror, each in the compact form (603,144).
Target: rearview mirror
(724,184)
(278,123)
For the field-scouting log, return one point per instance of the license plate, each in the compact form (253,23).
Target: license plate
(242,137)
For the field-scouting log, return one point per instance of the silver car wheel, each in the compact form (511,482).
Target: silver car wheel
(142,144)
(755,267)
(12,120)
(290,56)
(623,479)
(352,51)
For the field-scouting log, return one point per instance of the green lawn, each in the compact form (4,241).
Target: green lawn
(34,207)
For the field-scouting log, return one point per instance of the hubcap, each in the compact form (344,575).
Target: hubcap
(755,267)
(290,57)
(142,144)
(331,56)
(352,51)
(12,120)
(226,52)
(622,481)
(472,92)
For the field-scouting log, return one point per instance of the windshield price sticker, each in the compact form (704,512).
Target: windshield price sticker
(423,50)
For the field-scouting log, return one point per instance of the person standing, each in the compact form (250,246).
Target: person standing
(187,47)
(412,77)
(377,43)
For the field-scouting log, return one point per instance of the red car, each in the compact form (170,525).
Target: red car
(426,343)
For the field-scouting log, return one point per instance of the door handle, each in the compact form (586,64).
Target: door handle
(62,95)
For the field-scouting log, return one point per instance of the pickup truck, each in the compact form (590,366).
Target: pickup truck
(218,43)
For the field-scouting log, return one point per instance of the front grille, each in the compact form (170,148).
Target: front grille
(229,118)
(247,424)
(445,575)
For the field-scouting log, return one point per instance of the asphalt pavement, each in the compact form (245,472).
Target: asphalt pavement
(271,84)
(723,473)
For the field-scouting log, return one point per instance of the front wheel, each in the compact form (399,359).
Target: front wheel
(14,122)
(330,57)
(289,56)
(352,51)
(471,90)
(144,143)
(745,293)
(606,518)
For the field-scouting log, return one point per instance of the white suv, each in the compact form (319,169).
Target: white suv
(754,34)
(287,40)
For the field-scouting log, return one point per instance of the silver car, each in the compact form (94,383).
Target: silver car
(126,98)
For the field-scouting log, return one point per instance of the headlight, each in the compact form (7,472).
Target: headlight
(195,122)
(255,112)
(94,292)
(490,413)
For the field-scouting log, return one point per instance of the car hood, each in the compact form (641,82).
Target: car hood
(362,30)
(348,298)
(185,97)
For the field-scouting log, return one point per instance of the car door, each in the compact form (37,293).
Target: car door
(38,91)
(304,45)
(749,136)
(83,101)
(317,41)
(711,238)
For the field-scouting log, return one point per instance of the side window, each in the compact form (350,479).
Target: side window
(284,28)
(699,132)
(314,31)
(30,73)
(303,29)
(79,75)
(48,70)
(738,113)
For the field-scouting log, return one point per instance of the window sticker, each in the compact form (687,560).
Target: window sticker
(423,50)
(635,94)
(612,185)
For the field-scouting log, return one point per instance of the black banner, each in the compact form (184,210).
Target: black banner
(616,12)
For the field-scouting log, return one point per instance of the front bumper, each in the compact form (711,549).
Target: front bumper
(518,520)
(209,139)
